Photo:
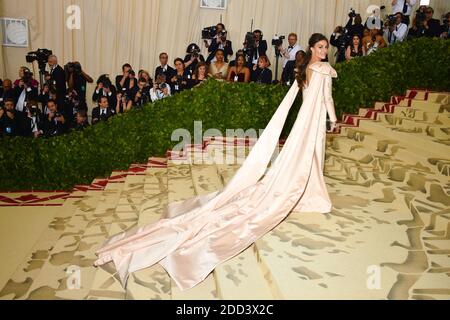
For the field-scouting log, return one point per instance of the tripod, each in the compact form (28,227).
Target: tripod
(277,61)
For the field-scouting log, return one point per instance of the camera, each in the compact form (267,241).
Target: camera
(27,76)
(209,33)
(40,55)
(420,17)
(72,67)
(278,40)
(193,50)
(352,13)
(391,20)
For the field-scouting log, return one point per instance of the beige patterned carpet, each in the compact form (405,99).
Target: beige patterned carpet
(388,237)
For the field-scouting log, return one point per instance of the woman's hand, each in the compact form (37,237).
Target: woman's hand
(333,126)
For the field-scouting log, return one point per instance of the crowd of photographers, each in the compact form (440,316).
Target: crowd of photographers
(60,105)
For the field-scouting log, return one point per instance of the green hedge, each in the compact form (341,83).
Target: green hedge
(79,157)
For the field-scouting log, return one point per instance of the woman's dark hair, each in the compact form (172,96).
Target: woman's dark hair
(126,65)
(301,74)
(197,69)
(178,59)
(359,45)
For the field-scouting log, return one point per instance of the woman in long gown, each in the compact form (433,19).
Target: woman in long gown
(199,233)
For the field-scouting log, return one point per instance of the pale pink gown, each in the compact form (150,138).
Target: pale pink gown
(198,234)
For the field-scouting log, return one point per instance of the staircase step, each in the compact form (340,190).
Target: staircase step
(102,282)
(48,281)
(152,283)
(28,270)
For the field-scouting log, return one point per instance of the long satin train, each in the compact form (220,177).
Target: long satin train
(199,233)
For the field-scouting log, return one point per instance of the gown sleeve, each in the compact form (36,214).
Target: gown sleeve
(328,99)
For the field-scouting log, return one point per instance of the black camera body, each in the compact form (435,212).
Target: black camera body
(27,76)
(278,40)
(420,18)
(209,33)
(391,20)
(40,55)
(352,13)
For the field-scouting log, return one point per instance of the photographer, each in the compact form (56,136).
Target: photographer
(142,96)
(54,122)
(164,68)
(7,92)
(339,40)
(354,26)
(180,81)
(24,72)
(105,89)
(396,30)
(57,78)
(103,111)
(127,80)
(72,104)
(77,79)
(48,92)
(219,41)
(81,121)
(424,25)
(124,101)
(24,91)
(404,7)
(255,48)
(11,120)
(289,53)
(33,122)
(192,58)
(160,88)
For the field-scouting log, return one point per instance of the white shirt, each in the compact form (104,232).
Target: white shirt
(291,52)
(158,94)
(21,102)
(398,35)
(398,7)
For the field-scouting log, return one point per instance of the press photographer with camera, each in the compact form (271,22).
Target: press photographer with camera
(424,25)
(142,96)
(24,72)
(81,121)
(290,52)
(254,47)
(339,40)
(54,123)
(127,80)
(33,122)
(124,101)
(180,81)
(11,120)
(103,111)
(219,41)
(105,88)
(395,30)
(404,7)
(25,91)
(77,79)
(57,78)
(353,26)
(160,88)
(192,58)
(7,92)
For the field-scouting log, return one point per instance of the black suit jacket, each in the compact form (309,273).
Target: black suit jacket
(228,49)
(262,50)
(97,117)
(169,73)
(58,79)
